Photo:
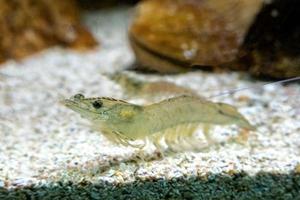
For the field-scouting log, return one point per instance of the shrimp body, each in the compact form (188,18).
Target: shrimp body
(171,119)
(138,88)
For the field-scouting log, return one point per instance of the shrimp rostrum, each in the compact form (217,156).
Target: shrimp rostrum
(172,120)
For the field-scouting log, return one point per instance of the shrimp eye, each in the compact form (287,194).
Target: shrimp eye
(78,96)
(97,104)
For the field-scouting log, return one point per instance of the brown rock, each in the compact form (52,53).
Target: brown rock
(181,33)
(261,37)
(28,26)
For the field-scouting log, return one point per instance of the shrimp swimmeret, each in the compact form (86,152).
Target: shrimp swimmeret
(174,120)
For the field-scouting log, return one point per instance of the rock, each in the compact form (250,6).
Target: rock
(28,26)
(168,36)
(261,37)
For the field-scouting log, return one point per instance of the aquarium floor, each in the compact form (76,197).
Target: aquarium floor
(48,151)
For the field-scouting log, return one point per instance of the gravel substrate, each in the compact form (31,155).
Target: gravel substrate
(48,151)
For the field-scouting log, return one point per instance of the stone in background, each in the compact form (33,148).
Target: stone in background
(28,26)
(257,36)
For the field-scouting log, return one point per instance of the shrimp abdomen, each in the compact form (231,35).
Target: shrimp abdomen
(190,109)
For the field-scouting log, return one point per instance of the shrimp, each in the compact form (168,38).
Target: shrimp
(138,88)
(173,120)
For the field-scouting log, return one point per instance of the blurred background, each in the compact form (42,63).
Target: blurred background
(261,37)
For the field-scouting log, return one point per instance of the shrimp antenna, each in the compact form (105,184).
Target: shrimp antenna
(255,87)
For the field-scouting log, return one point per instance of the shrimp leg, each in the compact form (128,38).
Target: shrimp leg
(124,140)
(206,131)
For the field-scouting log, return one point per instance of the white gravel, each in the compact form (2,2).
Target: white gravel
(42,141)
